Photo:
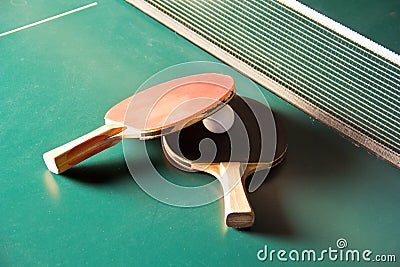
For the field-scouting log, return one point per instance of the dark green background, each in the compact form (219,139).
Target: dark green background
(58,79)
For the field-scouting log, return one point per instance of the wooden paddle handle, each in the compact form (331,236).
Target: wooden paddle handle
(66,156)
(238,212)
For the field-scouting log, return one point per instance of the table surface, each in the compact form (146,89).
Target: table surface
(57,80)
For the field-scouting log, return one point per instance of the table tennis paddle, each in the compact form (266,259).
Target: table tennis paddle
(254,142)
(158,110)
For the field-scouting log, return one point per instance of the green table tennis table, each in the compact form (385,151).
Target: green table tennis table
(59,77)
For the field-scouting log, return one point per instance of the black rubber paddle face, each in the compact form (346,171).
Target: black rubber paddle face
(251,139)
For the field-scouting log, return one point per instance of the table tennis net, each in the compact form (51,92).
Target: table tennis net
(327,70)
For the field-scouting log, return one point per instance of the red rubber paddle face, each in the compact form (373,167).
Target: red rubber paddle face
(172,105)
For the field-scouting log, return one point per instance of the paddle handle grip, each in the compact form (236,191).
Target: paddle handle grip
(238,212)
(68,155)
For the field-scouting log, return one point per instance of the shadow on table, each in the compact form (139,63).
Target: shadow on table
(270,218)
(108,172)
(314,154)
(114,170)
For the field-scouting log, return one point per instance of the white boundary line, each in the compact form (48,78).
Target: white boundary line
(48,19)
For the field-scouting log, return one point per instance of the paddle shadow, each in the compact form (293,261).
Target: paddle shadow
(314,152)
(115,170)
(270,218)
(101,173)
